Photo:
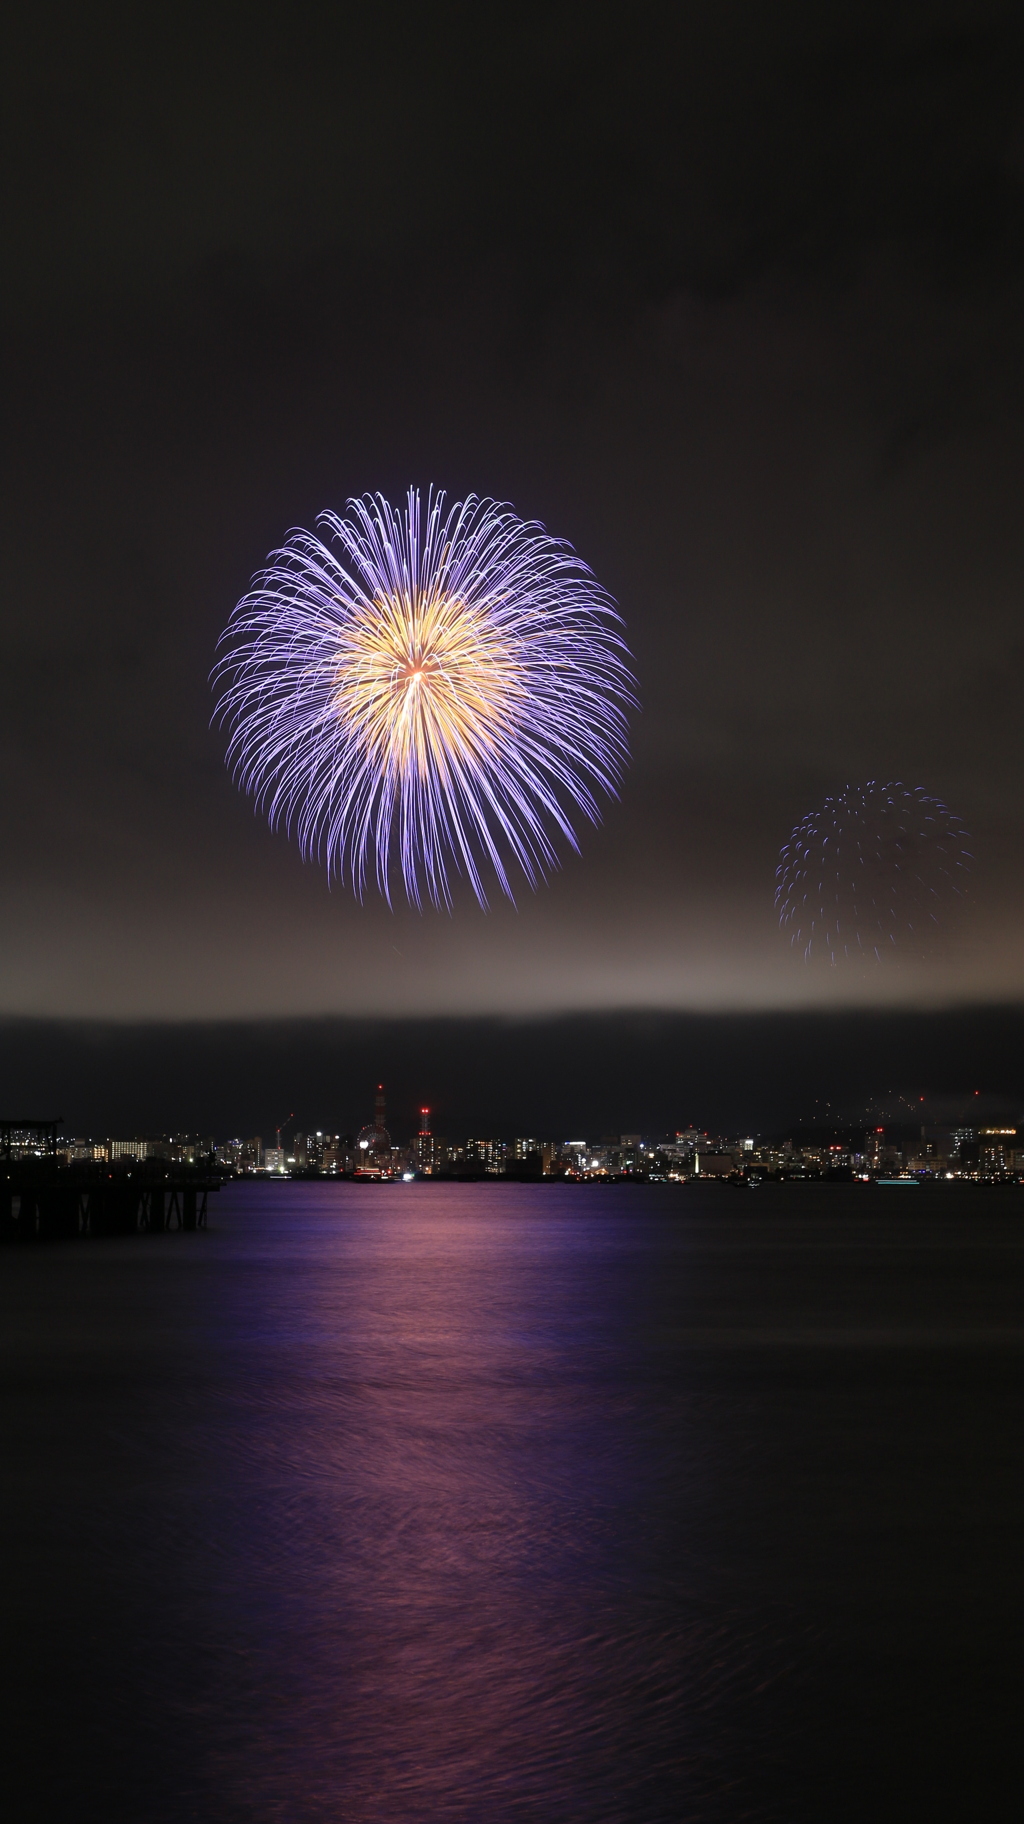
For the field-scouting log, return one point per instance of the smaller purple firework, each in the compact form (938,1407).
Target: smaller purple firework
(872,873)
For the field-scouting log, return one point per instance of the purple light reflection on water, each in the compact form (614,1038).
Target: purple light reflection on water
(492,1502)
(470,1490)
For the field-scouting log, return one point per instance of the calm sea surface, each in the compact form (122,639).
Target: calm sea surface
(487,1502)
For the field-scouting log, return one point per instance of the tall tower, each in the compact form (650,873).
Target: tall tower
(373,1145)
(425,1143)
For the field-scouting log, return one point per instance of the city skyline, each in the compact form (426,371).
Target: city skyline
(922,1149)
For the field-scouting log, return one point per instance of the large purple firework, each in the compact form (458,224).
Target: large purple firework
(871,873)
(429,693)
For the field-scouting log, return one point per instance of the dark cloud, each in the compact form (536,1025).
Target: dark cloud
(584,1076)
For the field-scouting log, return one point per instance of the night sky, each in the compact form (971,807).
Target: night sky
(729,296)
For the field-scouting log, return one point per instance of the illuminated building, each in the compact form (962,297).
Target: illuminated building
(522,1148)
(423,1145)
(710,1164)
(488,1153)
(997,1148)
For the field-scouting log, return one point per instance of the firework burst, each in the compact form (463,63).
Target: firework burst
(871,873)
(430,693)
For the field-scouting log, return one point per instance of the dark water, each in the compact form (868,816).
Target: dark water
(492,1503)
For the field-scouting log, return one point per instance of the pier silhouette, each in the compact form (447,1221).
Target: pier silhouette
(43,1199)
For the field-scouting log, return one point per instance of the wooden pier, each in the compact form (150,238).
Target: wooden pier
(43,1200)
(64,1205)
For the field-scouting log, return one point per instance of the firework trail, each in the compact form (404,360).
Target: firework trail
(871,872)
(436,692)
